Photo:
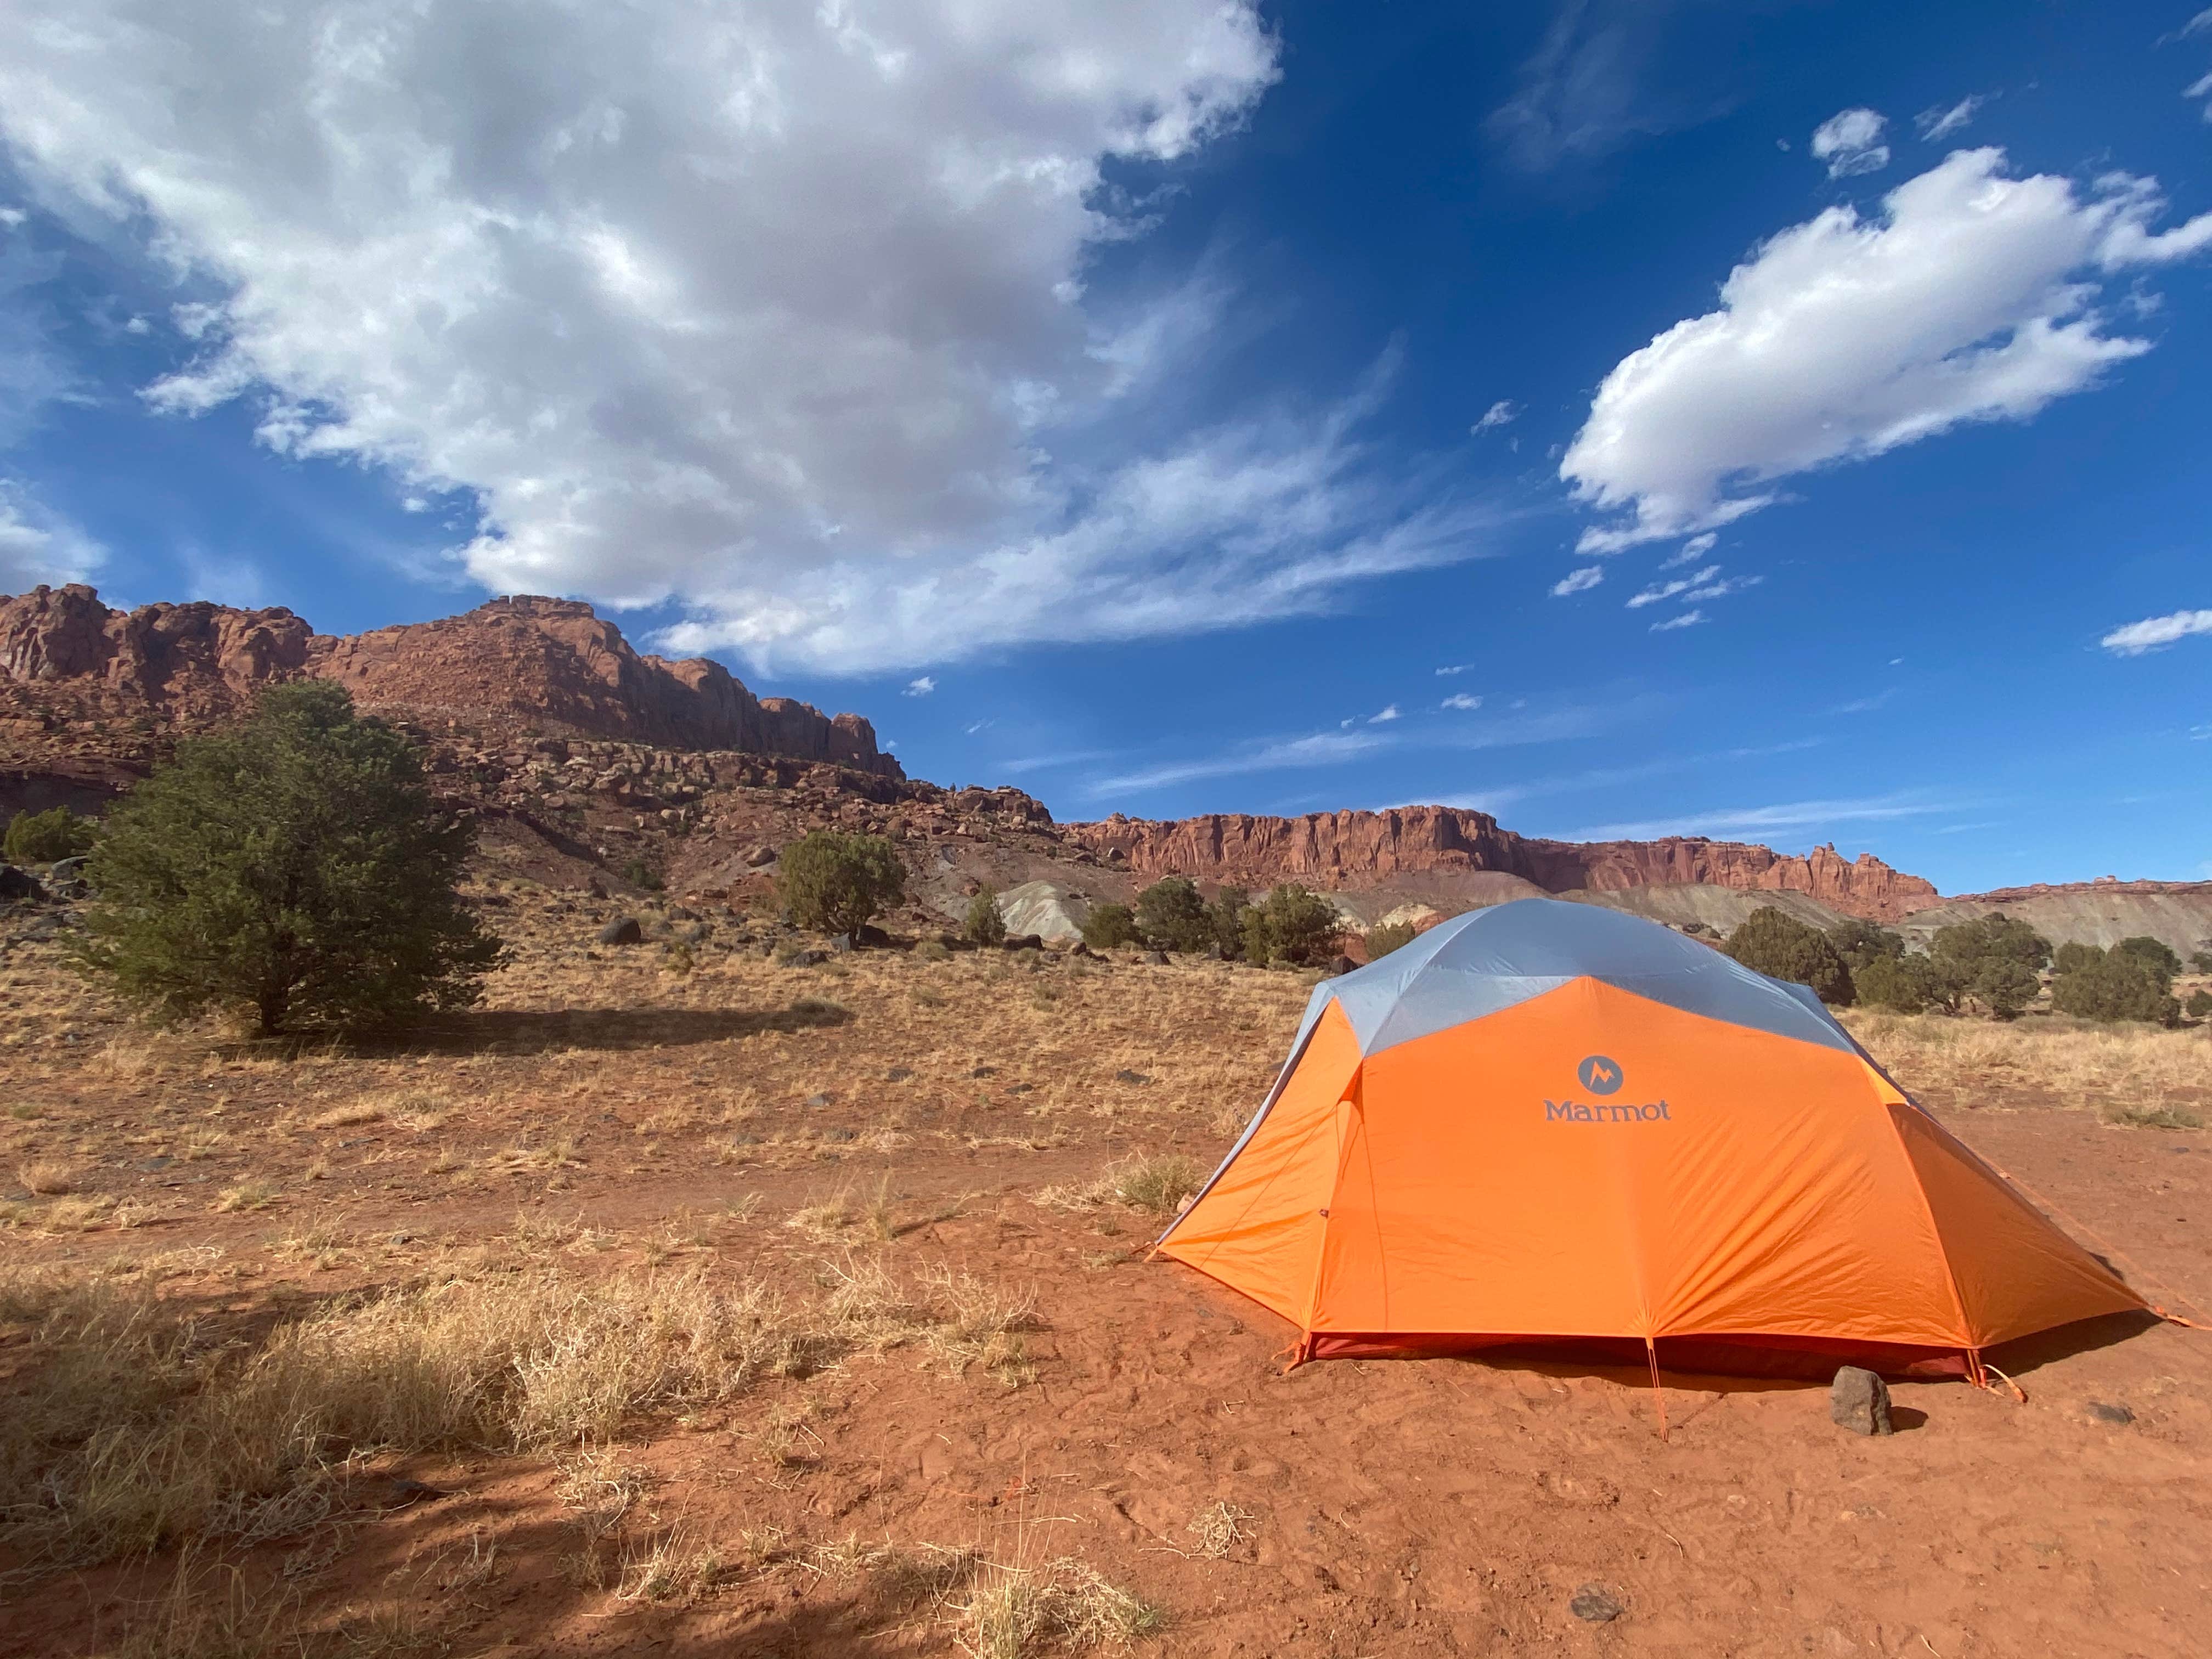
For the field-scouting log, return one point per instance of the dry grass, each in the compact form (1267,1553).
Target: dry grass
(1157,1183)
(2075,1058)
(1218,1528)
(1015,1610)
(48,1177)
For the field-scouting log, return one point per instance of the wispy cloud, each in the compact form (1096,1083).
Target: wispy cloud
(1687,619)
(1668,590)
(1865,705)
(1939,123)
(2155,632)
(1460,699)
(1504,412)
(1750,820)
(1850,142)
(980,726)
(1340,748)
(1501,796)
(921,687)
(1383,716)
(1577,581)
(1456,668)
(1047,763)
(1690,551)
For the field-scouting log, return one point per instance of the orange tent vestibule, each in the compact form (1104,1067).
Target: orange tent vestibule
(1552,1123)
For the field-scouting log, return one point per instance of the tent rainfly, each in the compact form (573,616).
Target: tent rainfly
(1554,1124)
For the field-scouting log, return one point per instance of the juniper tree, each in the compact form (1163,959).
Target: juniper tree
(838,882)
(296,868)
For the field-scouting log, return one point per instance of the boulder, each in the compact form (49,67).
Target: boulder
(1338,965)
(1023,942)
(17,883)
(1858,1400)
(1156,959)
(804,959)
(623,930)
(1595,1604)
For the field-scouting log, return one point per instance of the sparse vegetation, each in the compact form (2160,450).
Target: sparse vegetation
(1992,961)
(1172,916)
(47,837)
(1391,936)
(1108,926)
(296,870)
(837,882)
(2120,983)
(1291,925)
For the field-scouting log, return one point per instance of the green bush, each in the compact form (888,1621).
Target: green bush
(1172,916)
(1772,942)
(1291,924)
(2153,954)
(1391,936)
(1859,942)
(2116,984)
(2200,962)
(983,926)
(1108,926)
(47,837)
(2072,956)
(638,873)
(1992,960)
(1226,912)
(1904,983)
(2198,1006)
(837,882)
(296,867)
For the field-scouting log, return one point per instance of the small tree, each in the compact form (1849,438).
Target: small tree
(2072,956)
(1391,936)
(837,882)
(1859,942)
(1172,916)
(2200,962)
(2199,1005)
(296,867)
(984,925)
(47,837)
(2153,954)
(2115,984)
(1109,925)
(1906,984)
(1993,959)
(1291,924)
(1772,941)
(1226,912)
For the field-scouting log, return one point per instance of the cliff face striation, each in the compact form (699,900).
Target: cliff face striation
(1354,849)
(549,666)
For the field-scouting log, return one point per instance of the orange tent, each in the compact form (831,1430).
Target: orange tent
(1555,1123)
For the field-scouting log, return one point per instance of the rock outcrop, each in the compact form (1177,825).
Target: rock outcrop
(536,665)
(1357,850)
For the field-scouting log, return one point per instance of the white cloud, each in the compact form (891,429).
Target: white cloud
(1462,700)
(1850,142)
(2153,632)
(1971,297)
(1668,590)
(1721,589)
(1578,581)
(1687,619)
(12,217)
(979,727)
(1456,668)
(1504,412)
(784,313)
(38,544)
(1385,716)
(1690,551)
(1939,123)
(1751,820)
(920,686)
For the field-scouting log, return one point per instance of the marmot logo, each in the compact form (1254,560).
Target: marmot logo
(1600,1075)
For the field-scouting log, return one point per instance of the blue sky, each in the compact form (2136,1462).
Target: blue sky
(1777,421)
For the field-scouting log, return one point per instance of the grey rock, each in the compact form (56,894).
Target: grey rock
(984,1070)
(1338,967)
(841,1136)
(17,883)
(820,1100)
(623,930)
(805,959)
(1595,1605)
(759,856)
(2109,1411)
(1859,1400)
(1156,958)
(898,1074)
(1024,942)
(1125,1075)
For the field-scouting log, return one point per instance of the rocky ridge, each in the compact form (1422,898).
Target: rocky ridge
(1355,850)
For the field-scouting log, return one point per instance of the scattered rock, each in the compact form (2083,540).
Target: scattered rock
(596,888)
(1021,1088)
(17,883)
(1595,1605)
(2109,1411)
(1859,1400)
(1338,966)
(1156,959)
(759,856)
(805,959)
(984,1070)
(1125,1075)
(898,1074)
(1024,942)
(156,1163)
(841,1136)
(399,1493)
(841,943)
(820,1100)
(623,930)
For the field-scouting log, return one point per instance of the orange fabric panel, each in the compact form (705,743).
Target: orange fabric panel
(1258,1229)
(1719,1180)
(2015,1271)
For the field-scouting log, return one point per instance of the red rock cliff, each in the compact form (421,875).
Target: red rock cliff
(551,664)
(1342,850)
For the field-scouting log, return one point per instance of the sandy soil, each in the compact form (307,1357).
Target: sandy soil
(1344,1509)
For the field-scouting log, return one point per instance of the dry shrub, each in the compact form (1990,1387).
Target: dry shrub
(1157,1183)
(2154,1117)
(46,1176)
(1218,1528)
(979,1323)
(1013,1610)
